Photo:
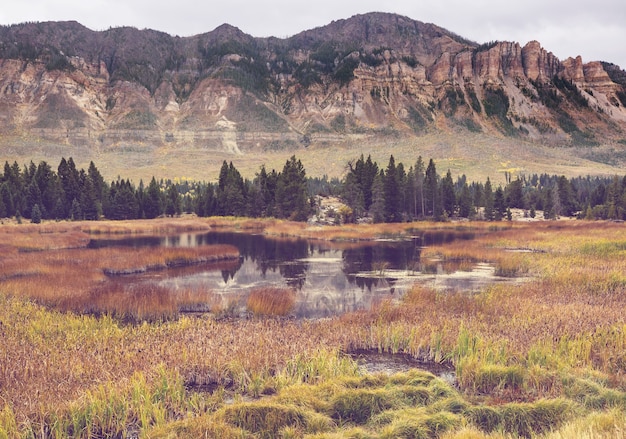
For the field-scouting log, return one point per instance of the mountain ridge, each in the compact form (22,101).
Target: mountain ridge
(372,76)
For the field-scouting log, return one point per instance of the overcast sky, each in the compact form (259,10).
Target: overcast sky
(594,29)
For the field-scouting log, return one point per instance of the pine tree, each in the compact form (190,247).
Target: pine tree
(377,209)
(33,198)
(548,205)
(91,205)
(566,203)
(7,199)
(35,215)
(206,201)
(3,209)
(419,188)
(230,192)
(70,182)
(431,190)
(76,211)
(488,201)
(392,193)
(172,201)
(514,194)
(499,205)
(465,202)
(448,197)
(410,195)
(352,194)
(291,191)
(124,204)
(152,202)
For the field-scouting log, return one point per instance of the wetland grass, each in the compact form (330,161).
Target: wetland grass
(540,359)
(271,301)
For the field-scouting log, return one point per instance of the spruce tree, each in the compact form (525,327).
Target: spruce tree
(448,197)
(292,199)
(35,215)
(391,186)
(465,202)
(431,190)
(152,202)
(377,209)
(172,201)
(488,201)
(419,188)
(499,205)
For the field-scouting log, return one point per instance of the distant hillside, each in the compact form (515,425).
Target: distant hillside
(374,76)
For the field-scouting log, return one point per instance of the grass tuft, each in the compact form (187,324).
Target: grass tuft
(271,301)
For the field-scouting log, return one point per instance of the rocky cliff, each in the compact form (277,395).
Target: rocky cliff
(370,75)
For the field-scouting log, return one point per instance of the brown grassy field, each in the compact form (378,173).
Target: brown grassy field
(477,155)
(542,358)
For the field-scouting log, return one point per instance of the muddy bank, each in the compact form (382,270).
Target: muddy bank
(373,362)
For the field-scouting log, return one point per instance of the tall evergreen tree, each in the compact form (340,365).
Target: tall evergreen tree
(514,194)
(488,201)
(448,197)
(419,188)
(499,204)
(567,200)
(35,216)
(352,194)
(152,202)
(7,199)
(70,182)
(392,193)
(292,199)
(465,202)
(410,195)
(124,204)
(377,209)
(231,191)
(431,190)
(173,204)
(91,206)
(3,209)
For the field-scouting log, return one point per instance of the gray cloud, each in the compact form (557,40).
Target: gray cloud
(595,30)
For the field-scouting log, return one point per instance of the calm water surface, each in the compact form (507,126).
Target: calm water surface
(329,278)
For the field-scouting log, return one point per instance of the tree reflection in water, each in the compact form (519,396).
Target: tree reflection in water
(330,278)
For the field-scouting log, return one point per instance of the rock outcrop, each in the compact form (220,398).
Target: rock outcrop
(224,90)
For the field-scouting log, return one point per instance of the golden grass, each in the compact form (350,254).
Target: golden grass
(58,273)
(271,301)
(529,357)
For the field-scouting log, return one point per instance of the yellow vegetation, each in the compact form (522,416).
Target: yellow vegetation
(542,358)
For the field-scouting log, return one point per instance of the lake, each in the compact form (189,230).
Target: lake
(329,278)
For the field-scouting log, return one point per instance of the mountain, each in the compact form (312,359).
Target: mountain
(376,77)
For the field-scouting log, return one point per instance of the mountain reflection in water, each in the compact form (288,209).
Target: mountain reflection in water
(330,278)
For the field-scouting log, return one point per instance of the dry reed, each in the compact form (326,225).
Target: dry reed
(561,336)
(271,301)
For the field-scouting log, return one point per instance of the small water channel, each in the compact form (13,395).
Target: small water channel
(329,278)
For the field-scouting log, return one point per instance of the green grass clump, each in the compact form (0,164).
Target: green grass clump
(593,395)
(416,423)
(201,426)
(490,378)
(357,406)
(267,419)
(523,419)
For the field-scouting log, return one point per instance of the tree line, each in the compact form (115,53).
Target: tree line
(394,194)
(369,191)
(37,192)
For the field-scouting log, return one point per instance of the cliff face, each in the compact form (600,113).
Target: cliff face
(373,74)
